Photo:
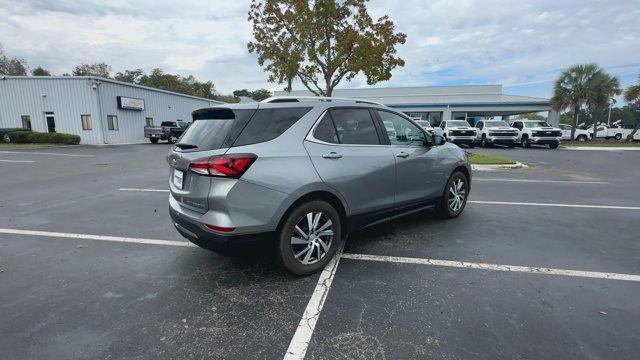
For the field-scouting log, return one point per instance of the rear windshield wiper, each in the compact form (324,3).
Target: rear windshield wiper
(186,146)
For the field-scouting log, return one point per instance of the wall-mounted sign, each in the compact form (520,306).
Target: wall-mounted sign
(128,103)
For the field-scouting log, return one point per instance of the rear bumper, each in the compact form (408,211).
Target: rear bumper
(210,240)
(157,136)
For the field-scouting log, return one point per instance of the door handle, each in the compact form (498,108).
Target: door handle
(332,155)
(402,155)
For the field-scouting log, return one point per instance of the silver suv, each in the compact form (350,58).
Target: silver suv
(299,174)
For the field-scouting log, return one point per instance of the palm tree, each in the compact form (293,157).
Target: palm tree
(573,88)
(604,87)
(632,94)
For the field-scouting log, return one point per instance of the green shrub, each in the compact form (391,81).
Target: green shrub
(6,131)
(24,137)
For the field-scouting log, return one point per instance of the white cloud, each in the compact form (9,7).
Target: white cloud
(522,44)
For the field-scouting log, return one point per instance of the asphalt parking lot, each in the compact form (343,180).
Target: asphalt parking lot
(544,263)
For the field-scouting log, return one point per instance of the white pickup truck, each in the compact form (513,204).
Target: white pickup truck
(458,132)
(581,134)
(424,124)
(493,132)
(606,132)
(537,132)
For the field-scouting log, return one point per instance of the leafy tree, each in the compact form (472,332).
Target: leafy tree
(632,96)
(573,88)
(322,42)
(12,66)
(243,92)
(603,88)
(40,71)
(176,83)
(96,69)
(261,94)
(130,76)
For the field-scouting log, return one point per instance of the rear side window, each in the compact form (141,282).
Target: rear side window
(355,126)
(214,128)
(325,131)
(268,124)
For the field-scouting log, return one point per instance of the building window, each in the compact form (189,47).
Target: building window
(86,122)
(112,122)
(458,116)
(26,122)
(148,121)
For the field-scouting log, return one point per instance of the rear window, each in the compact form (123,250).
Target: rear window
(268,124)
(214,128)
(168,123)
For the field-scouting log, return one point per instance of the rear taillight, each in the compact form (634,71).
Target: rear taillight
(232,166)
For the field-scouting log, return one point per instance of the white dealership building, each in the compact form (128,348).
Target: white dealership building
(101,111)
(437,103)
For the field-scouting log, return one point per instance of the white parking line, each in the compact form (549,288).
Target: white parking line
(300,341)
(494,267)
(554,205)
(544,181)
(144,190)
(95,237)
(44,153)
(18,161)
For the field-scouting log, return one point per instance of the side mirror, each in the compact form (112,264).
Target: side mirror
(438,139)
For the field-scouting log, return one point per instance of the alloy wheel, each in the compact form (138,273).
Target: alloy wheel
(311,238)
(457,194)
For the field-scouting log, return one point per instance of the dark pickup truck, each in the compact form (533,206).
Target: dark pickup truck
(168,130)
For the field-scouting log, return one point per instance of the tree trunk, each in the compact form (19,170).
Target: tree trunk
(575,123)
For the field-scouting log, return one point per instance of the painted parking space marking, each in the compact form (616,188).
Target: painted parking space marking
(96,237)
(300,342)
(143,190)
(543,181)
(493,267)
(45,153)
(611,207)
(17,161)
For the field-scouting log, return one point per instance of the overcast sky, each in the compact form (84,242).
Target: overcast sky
(521,44)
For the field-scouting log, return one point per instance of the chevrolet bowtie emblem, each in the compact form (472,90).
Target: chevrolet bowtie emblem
(174,162)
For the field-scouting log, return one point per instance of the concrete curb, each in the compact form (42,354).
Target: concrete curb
(598,148)
(517,165)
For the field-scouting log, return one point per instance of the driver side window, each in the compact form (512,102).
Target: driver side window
(401,131)
(480,125)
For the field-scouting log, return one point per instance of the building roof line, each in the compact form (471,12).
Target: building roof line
(2,77)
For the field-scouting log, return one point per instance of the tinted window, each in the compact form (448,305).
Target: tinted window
(215,128)
(355,126)
(325,131)
(268,124)
(169,123)
(401,131)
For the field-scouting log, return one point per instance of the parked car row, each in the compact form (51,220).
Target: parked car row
(498,132)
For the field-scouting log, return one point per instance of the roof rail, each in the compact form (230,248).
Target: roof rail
(279,99)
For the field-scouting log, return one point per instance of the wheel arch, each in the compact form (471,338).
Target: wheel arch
(323,195)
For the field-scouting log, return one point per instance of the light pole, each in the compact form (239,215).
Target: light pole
(612,102)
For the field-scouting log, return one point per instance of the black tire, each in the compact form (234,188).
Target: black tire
(553,146)
(285,249)
(582,138)
(618,137)
(483,142)
(444,209)
(170,140)
(153,140)
(525,142)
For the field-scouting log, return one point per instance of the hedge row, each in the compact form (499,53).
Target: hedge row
(24,137)
(5,131)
